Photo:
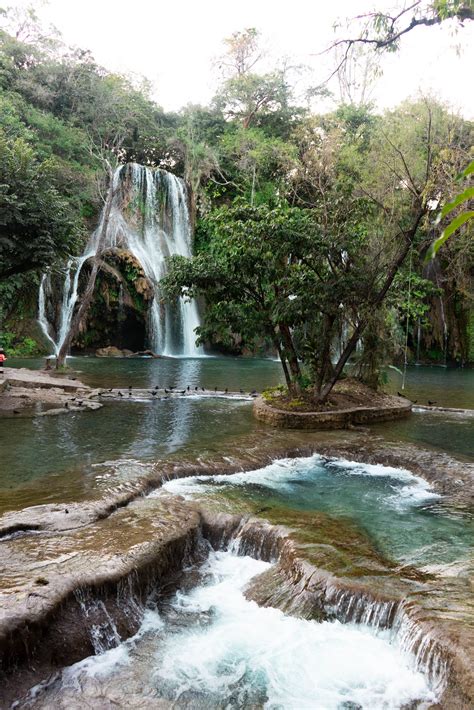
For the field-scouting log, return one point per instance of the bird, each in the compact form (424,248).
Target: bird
(120,394)
(400,395)
(129,393)
(195,389)
(66,405)
(80,403)
(153,393)
(241,391)
(203,389)
(226,390)
(188,388)
(253,392)
(16,411)
(414,401)
(130,387)
(182,391)
(110,389)
(73,399)
(215,389)
(430,403)
(166,391)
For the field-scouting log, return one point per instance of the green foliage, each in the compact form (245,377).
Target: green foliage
(37,224)
(271,392)
(464,218)
(299,218)
(18,347)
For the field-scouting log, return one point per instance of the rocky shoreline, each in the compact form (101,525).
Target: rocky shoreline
(38,393)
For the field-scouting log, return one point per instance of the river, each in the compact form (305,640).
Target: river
(209,646)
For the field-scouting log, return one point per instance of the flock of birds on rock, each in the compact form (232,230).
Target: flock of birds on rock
(170,390)
(188,390)
(415,401)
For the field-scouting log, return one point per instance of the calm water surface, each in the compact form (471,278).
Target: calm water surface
(45,456)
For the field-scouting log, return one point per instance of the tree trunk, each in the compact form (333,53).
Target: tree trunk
(325,360)
(352,343)
(284,365)
(89,290)
(292,358)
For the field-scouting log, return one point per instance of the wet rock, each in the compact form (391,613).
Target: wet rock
(109,351)
(36,393)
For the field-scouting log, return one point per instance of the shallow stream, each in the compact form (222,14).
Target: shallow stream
(397,510)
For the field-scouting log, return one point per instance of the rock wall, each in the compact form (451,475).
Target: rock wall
(341,419)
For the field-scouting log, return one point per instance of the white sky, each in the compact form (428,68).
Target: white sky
(173,43)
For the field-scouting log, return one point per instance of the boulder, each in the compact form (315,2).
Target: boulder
(110,351)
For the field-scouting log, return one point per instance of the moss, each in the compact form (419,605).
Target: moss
(273,392)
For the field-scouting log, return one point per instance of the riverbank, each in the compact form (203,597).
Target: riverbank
(39,393)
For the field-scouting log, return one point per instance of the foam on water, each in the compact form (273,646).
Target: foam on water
(395,508)
(290,662)
(283,473)
(214,645)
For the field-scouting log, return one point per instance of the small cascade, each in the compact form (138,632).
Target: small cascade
(102,628)
(42,317)
(445,331)
(351,607)
(149,218)
(354,607)
(428,654)
(265,542)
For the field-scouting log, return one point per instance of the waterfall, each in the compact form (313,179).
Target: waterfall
(42,317)
(149,218)
(418,342)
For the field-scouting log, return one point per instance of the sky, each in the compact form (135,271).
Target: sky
(174,44)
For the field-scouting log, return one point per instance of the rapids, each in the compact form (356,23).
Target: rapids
(209,647)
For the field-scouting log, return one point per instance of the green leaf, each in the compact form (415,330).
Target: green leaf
(468,171)
(450,229)
(462,197)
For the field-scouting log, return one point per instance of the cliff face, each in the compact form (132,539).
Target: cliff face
(120,308)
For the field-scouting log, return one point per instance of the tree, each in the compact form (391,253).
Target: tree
(37,225)
(245,276)
(242,53)
(383,30)
(250,98)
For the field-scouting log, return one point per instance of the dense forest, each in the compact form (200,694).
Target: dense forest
(311,229)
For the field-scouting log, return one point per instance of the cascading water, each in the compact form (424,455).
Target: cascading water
(149,218)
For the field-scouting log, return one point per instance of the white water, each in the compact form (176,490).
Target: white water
(149,217)
(280,475)
(214,648)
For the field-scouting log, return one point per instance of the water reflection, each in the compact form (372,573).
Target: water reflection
(66,448)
